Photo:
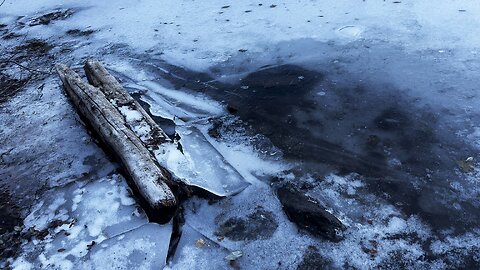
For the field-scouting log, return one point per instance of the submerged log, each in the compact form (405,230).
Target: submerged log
(114,130)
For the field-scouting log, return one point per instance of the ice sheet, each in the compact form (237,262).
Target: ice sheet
(142,248)
(74,218)
(218,33)
(179,105)
(195,251)
(200,164)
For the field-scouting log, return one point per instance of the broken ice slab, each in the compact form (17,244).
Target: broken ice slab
(142,248)
(68,221)
(179,104)
(200,165)
(195,251)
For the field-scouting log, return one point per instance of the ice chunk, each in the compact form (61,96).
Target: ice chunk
(200,165)
(143,248)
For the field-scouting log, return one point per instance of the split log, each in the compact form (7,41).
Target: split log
(113,129)
(137,119)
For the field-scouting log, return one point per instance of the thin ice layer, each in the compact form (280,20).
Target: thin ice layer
(177,104)
(142,248)
(195,251)
(252,156)
(200,164)
(68,221)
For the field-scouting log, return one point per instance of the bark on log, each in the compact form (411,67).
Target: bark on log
(135,116)
(111,125)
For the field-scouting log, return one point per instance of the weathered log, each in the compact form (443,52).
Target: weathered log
(137,119)
(113,129)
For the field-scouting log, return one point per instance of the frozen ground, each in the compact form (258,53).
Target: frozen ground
(369,107)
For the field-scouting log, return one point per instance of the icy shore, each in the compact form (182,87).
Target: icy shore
(370,108)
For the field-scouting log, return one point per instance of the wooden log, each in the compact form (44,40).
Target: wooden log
(106,120)
(99,77)
(137,119)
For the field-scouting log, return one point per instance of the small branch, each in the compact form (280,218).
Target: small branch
(31,70)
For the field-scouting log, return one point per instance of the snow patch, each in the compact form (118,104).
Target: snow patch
(77,217)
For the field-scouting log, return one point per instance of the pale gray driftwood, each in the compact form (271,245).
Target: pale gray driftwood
(137,119)
(112,127)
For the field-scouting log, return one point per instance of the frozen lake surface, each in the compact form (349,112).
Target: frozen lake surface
(363,113)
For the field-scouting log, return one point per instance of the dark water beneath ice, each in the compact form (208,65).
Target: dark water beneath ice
(406,153)
(404,144)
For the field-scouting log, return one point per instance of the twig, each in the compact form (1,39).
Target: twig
(2,2)
(27,68)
